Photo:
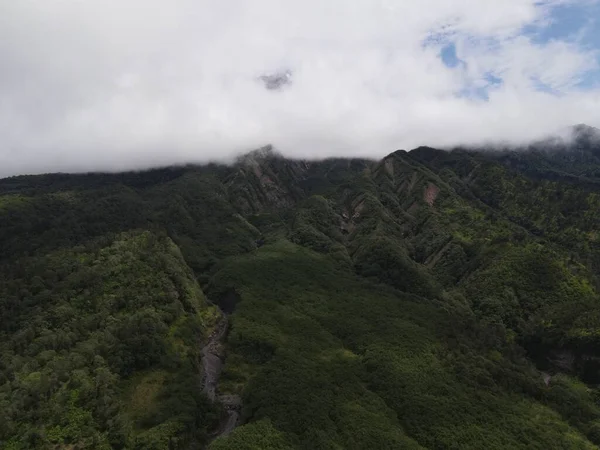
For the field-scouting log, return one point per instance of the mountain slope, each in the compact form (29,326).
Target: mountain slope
(428,300)
(99,344)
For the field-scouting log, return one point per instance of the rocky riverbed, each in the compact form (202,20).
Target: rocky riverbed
(212,364)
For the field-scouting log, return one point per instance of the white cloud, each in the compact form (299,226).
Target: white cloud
(119,84)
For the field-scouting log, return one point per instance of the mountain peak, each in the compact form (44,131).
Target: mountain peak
(586,134)
(258,156)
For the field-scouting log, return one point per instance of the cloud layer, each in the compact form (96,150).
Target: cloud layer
(124,84)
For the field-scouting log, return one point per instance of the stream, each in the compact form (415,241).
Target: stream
(212,363)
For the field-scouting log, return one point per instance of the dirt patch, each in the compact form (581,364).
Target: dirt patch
(431,193)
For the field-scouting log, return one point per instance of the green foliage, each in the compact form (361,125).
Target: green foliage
(520,282)
(406,303)
(389,263)
(68,353)
(259,435)
(338,363)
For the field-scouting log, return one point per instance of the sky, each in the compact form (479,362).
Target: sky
(108,85)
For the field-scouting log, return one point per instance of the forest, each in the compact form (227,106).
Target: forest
(431,300)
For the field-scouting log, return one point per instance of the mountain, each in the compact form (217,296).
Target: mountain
(433,299)
(576,157)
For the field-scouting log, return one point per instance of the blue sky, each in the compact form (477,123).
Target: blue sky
(577,23)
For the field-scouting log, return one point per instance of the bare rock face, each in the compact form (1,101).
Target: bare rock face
(212,363)
(431,193)
(266,180)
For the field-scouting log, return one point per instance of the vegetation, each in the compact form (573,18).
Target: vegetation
(99,347)
(429,300)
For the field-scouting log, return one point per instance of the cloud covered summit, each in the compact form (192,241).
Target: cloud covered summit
(111,85)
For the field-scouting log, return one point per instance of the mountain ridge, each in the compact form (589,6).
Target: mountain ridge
(431,299)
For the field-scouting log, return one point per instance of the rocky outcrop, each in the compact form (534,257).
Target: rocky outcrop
(264,180)
(212,363)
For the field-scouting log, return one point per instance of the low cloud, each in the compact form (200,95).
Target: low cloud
(126,84)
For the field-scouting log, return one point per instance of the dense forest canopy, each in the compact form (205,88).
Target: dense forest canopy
(431,300)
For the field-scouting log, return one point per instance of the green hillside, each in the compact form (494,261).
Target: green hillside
(433,299)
